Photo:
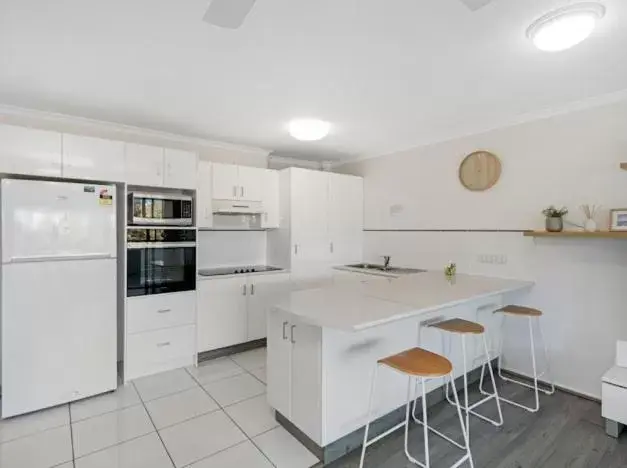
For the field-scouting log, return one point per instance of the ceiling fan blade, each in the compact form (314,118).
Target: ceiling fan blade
(228,14)
(474,5)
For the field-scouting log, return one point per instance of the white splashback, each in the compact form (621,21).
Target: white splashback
(231,248)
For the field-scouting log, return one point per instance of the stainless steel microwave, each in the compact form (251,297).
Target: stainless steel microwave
(160,209)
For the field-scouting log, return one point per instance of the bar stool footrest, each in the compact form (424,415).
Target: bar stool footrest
(549,391)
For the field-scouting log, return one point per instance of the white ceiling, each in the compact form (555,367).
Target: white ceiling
(388,74)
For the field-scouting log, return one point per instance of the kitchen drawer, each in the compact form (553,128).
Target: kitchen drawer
(157,351)
(614,402)
(160,311)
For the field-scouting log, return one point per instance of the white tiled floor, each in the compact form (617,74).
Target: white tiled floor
(213,416)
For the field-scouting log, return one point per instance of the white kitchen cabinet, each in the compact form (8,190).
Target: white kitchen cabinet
(232,182)
(204,212)
(93,158)
(294,371)
(306,398)
(271,205)
(321,225)
(263,293)
(251,181)
(160,333)
(345,208)
(144,165)
(279,356)
(180,169)
(309,223)
(225,182)
(30,151)
(222,312)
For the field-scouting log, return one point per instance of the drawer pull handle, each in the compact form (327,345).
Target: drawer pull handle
(164,311)
(163,345)
(284,334)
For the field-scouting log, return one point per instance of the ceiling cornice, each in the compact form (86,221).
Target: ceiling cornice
(103,125)
(583,104)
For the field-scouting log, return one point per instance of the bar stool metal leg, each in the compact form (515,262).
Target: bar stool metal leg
(535,387)
(470,409)
(370,402)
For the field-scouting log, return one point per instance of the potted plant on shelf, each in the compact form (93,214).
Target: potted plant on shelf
(554,221)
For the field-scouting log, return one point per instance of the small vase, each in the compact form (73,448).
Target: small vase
(590,225)
(554,224)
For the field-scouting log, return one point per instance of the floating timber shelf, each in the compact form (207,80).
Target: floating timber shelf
(623,166)
(583,234)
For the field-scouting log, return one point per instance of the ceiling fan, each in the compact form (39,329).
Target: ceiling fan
(231,14)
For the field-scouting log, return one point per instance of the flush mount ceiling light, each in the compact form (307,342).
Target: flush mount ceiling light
(563,28)
(309,129)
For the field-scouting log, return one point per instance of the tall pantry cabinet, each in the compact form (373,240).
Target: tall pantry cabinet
(321,224)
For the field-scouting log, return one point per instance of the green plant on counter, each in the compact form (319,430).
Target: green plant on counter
(450,270)
(552,212)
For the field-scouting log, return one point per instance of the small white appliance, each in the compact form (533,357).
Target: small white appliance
(58,307)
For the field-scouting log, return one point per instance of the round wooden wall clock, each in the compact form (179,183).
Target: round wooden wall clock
(479,171)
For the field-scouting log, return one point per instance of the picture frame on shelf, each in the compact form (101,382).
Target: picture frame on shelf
(618,219)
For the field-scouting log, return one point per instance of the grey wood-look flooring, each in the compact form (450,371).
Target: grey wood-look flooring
(568,431)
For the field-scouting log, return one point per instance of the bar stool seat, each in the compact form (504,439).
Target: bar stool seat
(417,364)
(458,325)
(520,310)
(531,314)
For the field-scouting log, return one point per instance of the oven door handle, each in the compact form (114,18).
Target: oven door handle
(158,245)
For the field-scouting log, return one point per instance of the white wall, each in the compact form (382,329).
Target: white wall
(569,159)
(231,248)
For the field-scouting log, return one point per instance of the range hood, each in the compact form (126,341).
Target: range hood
(237,207)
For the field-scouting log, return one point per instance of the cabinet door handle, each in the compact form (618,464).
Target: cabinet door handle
(252,289)
(234,191)
(284,332)
(164,344)
(164,311)
(243,290)
(292,334)
(241,189)
(331,247)
(295,249)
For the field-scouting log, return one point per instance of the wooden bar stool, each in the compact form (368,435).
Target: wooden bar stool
(530,314)
(419,364)
(462,328)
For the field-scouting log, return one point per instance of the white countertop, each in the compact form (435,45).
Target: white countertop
(359,305)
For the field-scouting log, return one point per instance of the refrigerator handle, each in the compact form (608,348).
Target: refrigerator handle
(57,258)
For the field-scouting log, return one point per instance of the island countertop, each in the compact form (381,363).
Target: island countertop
(358,305)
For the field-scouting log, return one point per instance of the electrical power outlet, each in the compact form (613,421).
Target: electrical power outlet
(492,259)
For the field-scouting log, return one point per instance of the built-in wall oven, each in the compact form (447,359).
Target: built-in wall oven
(160,260)
(160,209)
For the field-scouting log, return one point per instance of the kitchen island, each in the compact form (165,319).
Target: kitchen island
(323,345)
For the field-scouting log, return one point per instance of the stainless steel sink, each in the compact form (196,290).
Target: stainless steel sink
(382,268)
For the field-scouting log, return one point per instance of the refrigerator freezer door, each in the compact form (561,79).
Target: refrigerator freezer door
(58,333)
(57,220)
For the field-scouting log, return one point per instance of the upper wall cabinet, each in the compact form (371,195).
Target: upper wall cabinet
(93,158)
(144,165)
(237,182)
(154,166)
(180,169)
(29,151)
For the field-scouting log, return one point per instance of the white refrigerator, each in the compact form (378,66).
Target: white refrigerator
(58,293)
